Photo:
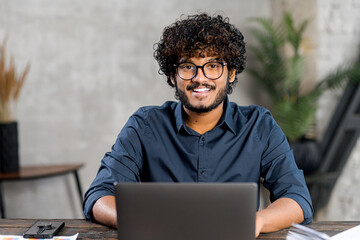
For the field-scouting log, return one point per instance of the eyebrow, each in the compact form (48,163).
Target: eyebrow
(185,59)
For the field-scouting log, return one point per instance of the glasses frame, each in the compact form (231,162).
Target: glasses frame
(202,68)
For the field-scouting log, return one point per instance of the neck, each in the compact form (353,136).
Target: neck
(203,122)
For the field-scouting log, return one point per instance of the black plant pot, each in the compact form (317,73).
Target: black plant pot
(9,147)
(307,155)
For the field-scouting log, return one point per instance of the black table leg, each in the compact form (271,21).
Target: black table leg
(78,186)
(2,207)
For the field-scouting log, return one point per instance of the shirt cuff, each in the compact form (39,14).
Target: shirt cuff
(305,205)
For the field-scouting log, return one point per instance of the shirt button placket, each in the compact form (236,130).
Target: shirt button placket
(201,170)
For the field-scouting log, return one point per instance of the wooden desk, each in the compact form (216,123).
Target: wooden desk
(88,230)
(35,172)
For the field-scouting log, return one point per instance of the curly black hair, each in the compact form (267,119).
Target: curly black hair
(199,35)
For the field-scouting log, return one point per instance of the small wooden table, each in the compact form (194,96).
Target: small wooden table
(89,230)
(35,172)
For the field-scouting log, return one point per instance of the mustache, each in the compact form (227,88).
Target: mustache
(196,85)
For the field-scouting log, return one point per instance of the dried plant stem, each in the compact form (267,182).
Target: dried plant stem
(5,113)
(10,85)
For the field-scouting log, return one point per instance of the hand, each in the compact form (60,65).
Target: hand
(259,223)
(278,215)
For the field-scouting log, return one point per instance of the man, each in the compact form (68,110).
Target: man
(203,137)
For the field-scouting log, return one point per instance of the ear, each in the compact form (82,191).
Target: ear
(232,75)
(172,80)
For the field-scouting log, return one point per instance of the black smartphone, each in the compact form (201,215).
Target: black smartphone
(43,229)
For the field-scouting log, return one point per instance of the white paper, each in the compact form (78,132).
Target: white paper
(304,233)
(13,237)
(350,234)
(301,232)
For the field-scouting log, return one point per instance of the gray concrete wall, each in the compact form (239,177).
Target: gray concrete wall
(333,38)
(339,41)
(92,67)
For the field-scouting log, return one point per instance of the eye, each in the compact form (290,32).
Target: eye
(186,67)
(213,65)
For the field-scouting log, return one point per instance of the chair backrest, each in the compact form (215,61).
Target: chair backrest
(343,131)
(336,146)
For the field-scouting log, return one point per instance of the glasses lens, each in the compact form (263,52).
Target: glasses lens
(213,70)
(186,70)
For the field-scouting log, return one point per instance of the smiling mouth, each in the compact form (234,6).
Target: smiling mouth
(201,89)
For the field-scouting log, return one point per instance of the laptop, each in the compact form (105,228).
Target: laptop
(186,211)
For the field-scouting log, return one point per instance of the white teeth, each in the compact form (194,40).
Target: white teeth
(201,89)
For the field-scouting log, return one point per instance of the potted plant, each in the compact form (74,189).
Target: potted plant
(279,68)
(10,87)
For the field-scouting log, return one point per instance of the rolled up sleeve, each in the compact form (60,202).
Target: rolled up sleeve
(281,174)
(122,164)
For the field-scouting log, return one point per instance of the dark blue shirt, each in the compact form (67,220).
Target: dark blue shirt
(156,145)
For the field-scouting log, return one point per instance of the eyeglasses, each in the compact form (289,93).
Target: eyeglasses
(211,70)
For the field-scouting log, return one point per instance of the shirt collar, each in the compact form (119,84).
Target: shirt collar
(226,118)
(179,116)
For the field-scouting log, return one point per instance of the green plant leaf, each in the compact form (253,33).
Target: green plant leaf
(340,77)
(280,74)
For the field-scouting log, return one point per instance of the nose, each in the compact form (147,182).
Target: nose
(200,76)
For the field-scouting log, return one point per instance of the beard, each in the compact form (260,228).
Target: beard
(220,97)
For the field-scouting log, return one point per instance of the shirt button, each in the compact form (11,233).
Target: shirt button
(202,172)
(203,139)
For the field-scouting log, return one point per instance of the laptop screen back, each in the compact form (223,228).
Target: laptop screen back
(175,211)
